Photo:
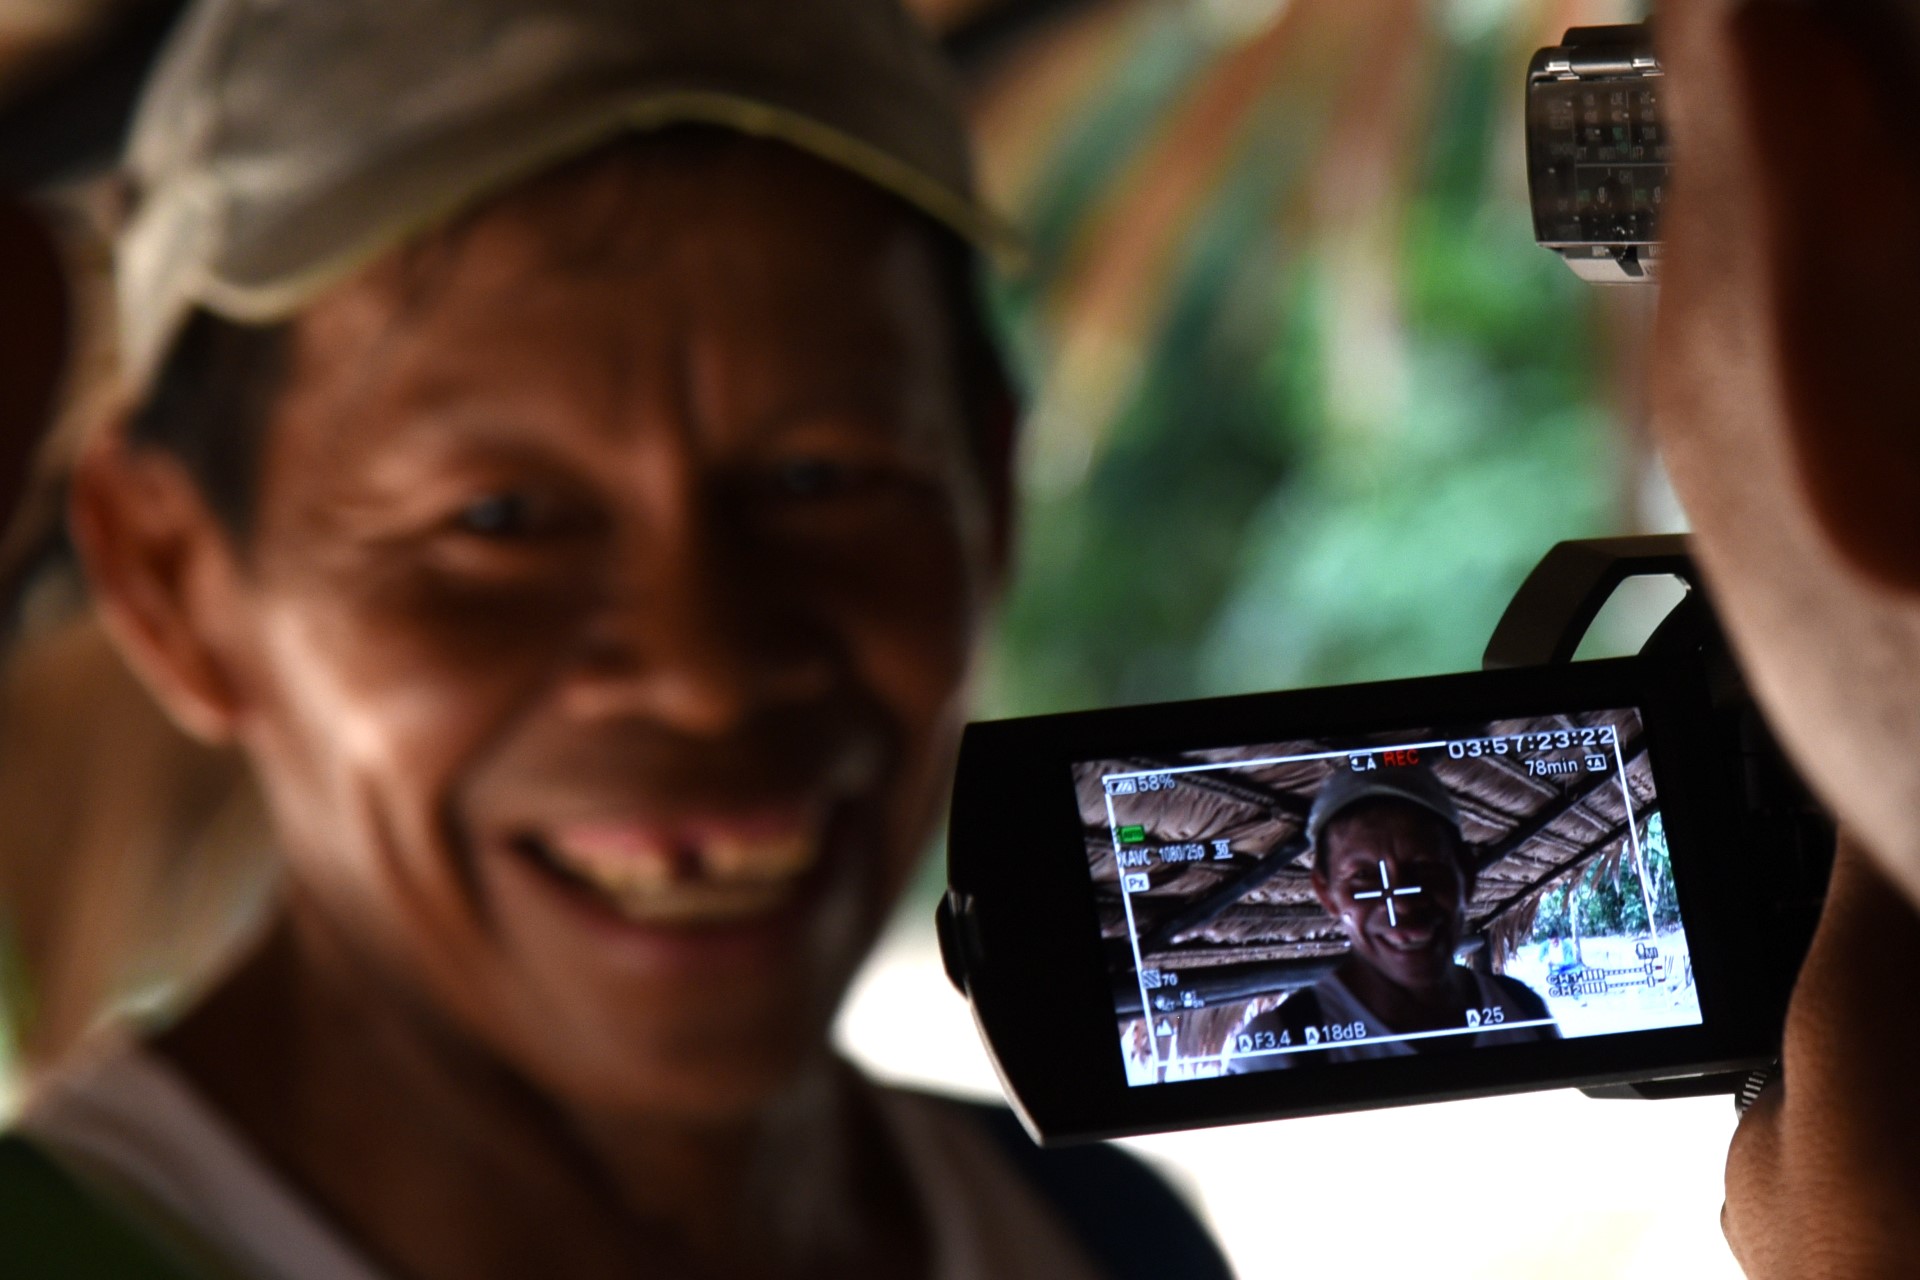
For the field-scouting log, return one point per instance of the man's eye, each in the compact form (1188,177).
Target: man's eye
(497,515)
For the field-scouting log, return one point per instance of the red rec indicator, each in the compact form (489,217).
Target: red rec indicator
(1400,759)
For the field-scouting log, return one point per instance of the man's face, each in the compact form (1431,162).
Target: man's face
(1785,382)
(602,642)
(1392,881)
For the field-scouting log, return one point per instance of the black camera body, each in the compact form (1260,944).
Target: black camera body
(1595,874)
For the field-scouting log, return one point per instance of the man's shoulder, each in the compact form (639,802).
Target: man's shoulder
(52,1227)
(1126,1218)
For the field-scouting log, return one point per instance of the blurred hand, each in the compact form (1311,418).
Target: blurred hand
(1824,1175)
(1784,397)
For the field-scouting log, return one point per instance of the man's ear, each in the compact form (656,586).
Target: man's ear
(997,431)
(164,580)
(1468,859)
(981,382)
(1324,891)
(1835,137)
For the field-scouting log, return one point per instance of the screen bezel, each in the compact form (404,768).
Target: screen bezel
(1040,983)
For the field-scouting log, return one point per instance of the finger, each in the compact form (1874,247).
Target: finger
(1751,1178)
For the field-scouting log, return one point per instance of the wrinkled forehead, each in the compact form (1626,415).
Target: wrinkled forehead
(620,208)
(695,235)
(629,212)
(1381,824)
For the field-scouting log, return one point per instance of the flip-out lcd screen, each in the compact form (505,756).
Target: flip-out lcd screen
(1295,905)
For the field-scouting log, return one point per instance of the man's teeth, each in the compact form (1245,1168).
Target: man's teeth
(721,877)
(695,903)
(771,858)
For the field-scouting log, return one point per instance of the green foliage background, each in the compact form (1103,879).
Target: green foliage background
(1238,529)
(1612,904)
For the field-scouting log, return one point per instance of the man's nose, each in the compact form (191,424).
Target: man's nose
(688,634)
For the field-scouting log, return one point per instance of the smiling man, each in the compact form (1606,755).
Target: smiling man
(566,460)
(1390,866)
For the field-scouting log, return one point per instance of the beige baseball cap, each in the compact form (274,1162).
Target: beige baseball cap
(1415,784)
(282,144)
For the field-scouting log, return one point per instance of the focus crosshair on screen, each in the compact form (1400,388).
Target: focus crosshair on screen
(1299,904)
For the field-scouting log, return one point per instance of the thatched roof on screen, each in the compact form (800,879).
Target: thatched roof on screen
(1528,834)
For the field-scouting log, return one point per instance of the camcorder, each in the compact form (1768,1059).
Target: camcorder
(1546,874)
(1549,873)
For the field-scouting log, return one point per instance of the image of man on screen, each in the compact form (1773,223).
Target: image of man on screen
(1390,865)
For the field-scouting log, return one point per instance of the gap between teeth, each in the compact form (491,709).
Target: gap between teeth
(734,878)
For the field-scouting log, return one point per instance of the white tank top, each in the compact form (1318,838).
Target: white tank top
(137,1133)
(1339,1005)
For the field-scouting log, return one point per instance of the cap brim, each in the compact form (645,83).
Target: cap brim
(273,262)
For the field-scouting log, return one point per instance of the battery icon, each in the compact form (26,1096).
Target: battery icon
(1133,835)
